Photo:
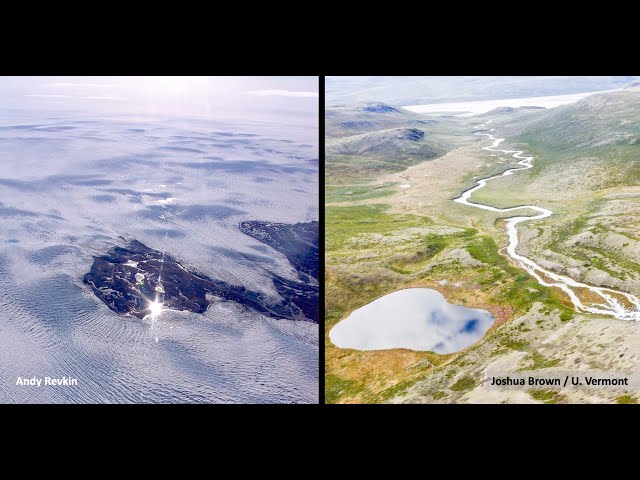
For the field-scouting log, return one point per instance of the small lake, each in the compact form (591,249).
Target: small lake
(414,318)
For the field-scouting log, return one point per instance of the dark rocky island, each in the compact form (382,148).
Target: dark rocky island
(127,280)
(299,243)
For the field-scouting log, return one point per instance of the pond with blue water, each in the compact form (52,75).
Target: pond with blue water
(414,318)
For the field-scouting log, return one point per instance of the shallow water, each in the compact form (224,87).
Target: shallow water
(414,318)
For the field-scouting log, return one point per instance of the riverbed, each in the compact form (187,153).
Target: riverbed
(610,306)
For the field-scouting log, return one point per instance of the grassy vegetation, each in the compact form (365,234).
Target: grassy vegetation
(336,387)
(623,399)
(354,193)
(547,396)
(485,250)
(393,391)
(410,262)
(403,243)
(620,161)
(463,384)
(346,169)
(346,292)
(563,232)
(540,361)
(611,257)
(509,342)
(566,315)
(519,289)
(607,260)
(344,223)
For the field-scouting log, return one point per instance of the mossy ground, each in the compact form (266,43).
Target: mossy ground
(354,193)
(623,399)
(463,384)
(546,396)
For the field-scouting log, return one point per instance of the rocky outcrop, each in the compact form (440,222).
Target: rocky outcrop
(128,279)
(379,108)
(299,242)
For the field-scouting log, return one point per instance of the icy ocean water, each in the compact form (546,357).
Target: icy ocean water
(71,187)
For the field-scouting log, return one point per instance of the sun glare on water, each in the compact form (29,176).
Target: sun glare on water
(156,308)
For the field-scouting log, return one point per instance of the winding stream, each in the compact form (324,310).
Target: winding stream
(609,306)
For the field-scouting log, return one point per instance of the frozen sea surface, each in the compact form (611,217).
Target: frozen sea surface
(414,318)
(71,187)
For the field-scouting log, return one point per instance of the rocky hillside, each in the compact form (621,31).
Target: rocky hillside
(608,119)
(394,142)
(354,119)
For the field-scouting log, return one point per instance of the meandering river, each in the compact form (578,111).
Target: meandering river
(609,306)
